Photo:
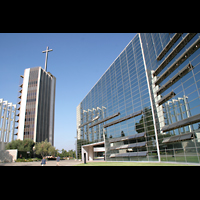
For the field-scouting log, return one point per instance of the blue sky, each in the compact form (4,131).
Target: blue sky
(77,61)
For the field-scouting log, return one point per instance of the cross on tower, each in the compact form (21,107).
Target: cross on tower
(46,51)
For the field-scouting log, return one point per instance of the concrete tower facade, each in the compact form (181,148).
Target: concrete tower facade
(37,105)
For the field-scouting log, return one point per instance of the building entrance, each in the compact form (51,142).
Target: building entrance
(93,151)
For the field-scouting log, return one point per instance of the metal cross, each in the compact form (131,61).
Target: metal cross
(46,51)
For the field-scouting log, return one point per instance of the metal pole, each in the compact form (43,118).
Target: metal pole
(9,121)
(151,100)
(1,107)
(3,125)
(13,124)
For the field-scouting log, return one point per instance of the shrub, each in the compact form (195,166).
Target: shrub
(24,160)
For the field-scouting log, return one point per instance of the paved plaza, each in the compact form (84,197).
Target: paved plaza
(100,162)
(38,163)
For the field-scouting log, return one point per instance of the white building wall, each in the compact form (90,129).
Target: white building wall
(23,104)
(89,153)
(36,106)
(8,155)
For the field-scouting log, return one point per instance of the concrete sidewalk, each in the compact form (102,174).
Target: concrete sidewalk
(38,163)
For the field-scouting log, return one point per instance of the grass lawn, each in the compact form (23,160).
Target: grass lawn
(130,164)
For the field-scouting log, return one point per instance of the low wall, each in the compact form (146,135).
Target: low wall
(8,155)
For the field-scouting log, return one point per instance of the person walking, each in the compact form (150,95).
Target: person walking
(43,162)
(57,160)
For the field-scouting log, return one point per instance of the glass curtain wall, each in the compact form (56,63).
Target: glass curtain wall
(173,63)
(122,89)
(118,108)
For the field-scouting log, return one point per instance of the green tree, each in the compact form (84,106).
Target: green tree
(15,144)
(72,153)
(64,153)
(21,145)
(44,148)
(28,144)
(53,151)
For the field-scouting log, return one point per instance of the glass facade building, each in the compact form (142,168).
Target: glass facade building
(146,106)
